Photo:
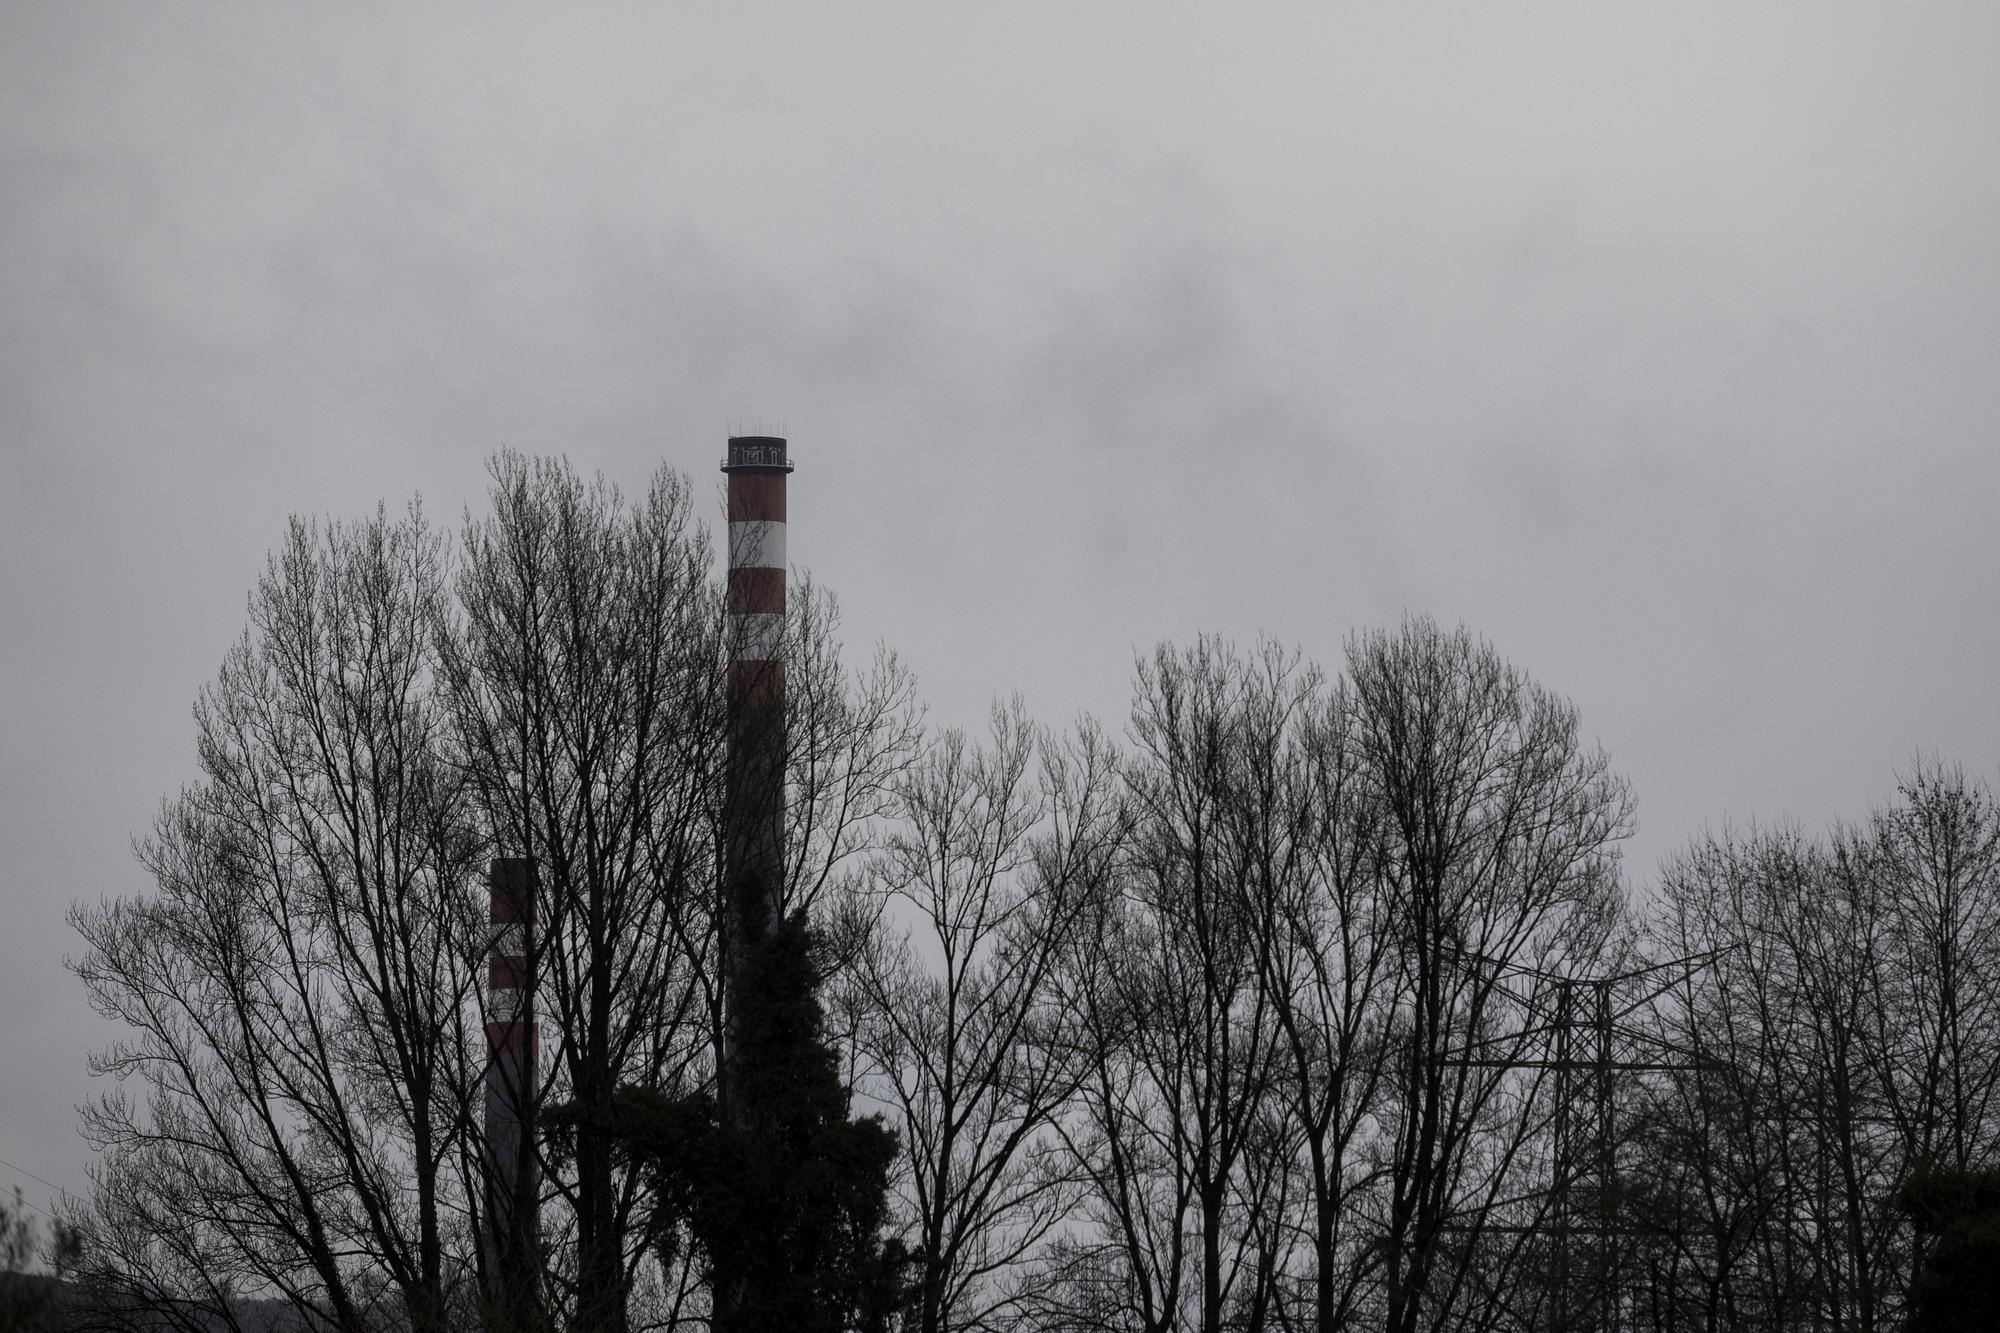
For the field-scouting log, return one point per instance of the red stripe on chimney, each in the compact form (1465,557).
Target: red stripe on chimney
(757,684)
(756,497)
(756,591)
(516,1038)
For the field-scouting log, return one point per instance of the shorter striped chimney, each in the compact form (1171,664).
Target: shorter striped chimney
(512,1187)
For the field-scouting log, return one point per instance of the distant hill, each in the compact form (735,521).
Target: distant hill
(38,1303)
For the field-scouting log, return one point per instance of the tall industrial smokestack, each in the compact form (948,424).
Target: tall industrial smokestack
(754,789)
(753,798)
(513,1188)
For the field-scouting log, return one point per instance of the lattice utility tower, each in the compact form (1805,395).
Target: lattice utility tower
(1583,1031)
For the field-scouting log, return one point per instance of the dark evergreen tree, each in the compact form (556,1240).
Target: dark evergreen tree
(785,1194)
(1957,1289)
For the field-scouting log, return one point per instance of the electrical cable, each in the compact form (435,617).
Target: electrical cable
(40,1180)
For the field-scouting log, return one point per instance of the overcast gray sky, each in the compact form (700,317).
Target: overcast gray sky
(1655,342)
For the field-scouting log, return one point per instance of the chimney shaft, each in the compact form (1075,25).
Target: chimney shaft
(754,795)
(513,1187)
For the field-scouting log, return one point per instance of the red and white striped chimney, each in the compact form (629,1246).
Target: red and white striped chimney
(512,1187)
(754,790)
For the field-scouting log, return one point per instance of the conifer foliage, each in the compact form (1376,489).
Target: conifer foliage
(1957,1288)
(782,1191)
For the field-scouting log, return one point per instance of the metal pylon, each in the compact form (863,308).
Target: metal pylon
(1584,1170)
(1578,1029)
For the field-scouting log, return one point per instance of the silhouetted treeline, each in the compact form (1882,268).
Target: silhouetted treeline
(1284,1007)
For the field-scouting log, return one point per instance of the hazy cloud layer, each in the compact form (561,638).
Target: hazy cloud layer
(1656,343)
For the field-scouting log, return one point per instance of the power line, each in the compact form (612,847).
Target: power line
(40,1180)
(25,1202)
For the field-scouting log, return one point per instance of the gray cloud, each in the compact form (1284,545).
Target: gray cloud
(1654,345)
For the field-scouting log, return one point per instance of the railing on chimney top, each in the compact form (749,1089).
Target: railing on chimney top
(757,455)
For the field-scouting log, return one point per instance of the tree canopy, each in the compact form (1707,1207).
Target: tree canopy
(1314,997)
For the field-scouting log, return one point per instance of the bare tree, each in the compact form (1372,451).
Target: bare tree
(1935,855)
(296,989)
(586,679)
(1845,1024)
(1325,935)
(995,854)
(850,738)
(1171,994)
(1501,833)
(1777,1103)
